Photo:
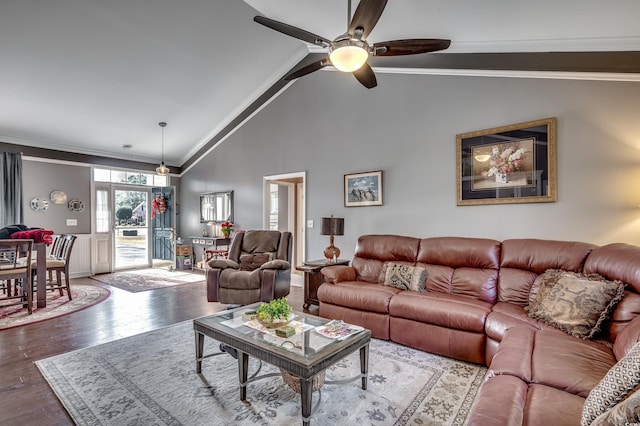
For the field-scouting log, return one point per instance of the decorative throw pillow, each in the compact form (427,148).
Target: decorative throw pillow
(626,412)
(619,381)
(251,262)
(576,303)
(404,277)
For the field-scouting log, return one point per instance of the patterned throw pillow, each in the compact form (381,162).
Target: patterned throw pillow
(404,277)
(626,412)
(619,381)
(575,303)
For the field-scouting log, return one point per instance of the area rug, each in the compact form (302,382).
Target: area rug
(82,295)
(147,279)
(150,379)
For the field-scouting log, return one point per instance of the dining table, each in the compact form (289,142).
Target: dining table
(41,274)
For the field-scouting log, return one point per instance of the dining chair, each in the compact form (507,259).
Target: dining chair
(58,261)
(15,266)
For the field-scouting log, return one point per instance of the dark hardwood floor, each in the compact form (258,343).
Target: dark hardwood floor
(27,399)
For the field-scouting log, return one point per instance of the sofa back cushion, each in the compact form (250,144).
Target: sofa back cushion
(372,251)
(618,262)
(461,266)
(627,338)
(523,260)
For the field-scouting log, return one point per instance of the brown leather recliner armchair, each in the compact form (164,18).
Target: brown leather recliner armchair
(258,269)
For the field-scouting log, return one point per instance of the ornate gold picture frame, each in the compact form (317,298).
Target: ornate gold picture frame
(508,164)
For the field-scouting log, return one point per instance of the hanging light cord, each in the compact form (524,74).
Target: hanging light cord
(162,125)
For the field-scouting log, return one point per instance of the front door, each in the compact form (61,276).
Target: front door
(163,217)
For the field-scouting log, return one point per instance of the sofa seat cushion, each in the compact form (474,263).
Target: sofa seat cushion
(505,315)
(358,295)
(550,406)
(552,358)
(239,280)
(508,400)
(444,310)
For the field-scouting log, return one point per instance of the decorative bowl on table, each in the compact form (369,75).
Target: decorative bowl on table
(274,324)
(275,314)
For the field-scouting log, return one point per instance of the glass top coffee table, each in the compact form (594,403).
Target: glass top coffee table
(304,355)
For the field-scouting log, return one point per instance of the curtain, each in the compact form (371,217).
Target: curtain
(11,211)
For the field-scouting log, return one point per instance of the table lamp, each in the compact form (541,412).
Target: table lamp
(332,226)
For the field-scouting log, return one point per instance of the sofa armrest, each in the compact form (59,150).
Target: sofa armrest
(337,273)
(276,264)
(222,264)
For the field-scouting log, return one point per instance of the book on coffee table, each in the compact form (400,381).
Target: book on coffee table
(338,329)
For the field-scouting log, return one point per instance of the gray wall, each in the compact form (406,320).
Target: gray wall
(40,179)
(327,125)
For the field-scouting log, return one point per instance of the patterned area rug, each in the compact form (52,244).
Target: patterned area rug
(150,379)
(148,279)
(82,295)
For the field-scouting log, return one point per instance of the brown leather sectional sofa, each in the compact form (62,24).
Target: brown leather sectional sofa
(473,309)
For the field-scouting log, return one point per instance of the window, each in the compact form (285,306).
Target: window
(129,177)
(102,210)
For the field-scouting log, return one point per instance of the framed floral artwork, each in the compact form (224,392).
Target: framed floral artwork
(363,189)
(506,165)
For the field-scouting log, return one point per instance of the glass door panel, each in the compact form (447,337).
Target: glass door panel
(131,230)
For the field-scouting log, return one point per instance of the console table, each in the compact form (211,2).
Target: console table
(313,278)
(201,244)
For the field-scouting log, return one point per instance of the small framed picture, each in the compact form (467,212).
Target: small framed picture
(363,189)
(509,164)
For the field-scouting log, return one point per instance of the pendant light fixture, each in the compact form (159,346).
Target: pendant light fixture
(162,170)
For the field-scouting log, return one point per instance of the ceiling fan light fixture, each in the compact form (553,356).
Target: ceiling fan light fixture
(349,55)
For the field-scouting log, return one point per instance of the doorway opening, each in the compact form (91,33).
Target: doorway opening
(131,230)
(134,220)
(134,227)
(284,210)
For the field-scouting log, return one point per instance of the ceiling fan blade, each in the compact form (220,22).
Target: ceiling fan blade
(292,31)
(409,46)
(366,16)
(366,76)
(307,69)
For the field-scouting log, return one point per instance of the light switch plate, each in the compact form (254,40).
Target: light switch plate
(72,222)
(310,223)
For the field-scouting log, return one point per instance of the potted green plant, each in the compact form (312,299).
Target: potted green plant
(275,313)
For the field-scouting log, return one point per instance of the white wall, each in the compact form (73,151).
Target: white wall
(327,125)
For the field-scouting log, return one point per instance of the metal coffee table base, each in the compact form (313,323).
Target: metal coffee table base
(306,390)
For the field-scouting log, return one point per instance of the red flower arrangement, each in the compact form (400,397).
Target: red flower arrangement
(226,228)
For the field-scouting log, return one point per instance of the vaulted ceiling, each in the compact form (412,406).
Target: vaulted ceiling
(93,76)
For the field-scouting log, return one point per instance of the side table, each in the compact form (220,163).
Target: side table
(313,278)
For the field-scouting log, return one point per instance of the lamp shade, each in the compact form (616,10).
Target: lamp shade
(332,226)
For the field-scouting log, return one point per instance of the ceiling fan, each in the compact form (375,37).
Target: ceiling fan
(349,52)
